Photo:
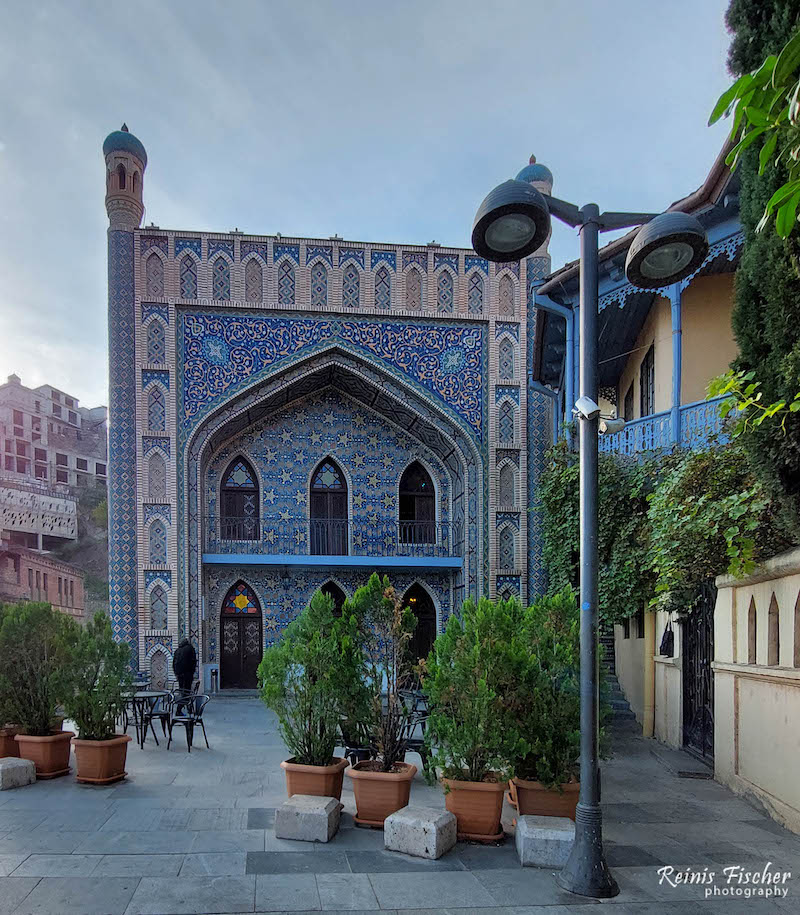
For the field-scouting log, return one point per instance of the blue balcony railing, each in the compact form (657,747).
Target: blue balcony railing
(334,538)
(700,425)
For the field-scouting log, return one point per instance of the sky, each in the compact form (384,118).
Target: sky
(374,120)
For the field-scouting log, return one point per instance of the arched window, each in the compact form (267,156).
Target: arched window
(319,285)
(158,543)
(286,283)
(188,278)
(158,608)
(221,279)
(156,409)
(506,296)
(505,422)
(444,287)
(135,182)
(413,289)
(421,603)
(383,288)
(505,359)
(506,549)
(328,510)
(475,295)
(417,506)
(154,276)
(239,502)
(351,287)
(157,478)
(121,176)
(156,346)
(253,282)
(507,486)
(336,594)
(751,632)
(773,634)
(158,670)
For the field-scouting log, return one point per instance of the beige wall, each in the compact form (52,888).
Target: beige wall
(757,706)
(707,343)
(707,339)
(629,660)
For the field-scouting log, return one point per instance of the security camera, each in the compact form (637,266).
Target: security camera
(587,408)
(611,424)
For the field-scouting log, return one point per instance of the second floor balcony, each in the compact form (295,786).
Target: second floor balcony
(333,542)
(696,425)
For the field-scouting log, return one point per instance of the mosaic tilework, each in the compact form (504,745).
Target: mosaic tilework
(159,375)
(319,285)
(351,286)
(190,244)
(161,510)
(539,439)
(383,288)
(445,301)
(292,251)
(164,577)
(509,584)
(215,245)
(323,251)
(188,277)
(286,281)
(156,342)
(481,263)
(371,452)
(476,293)
(282,597)
(224,352)
(154,276)
(254,247)
(151,442)
(442,260)
(514,266)
(355,254)
(508,518)
(502,391)
(150,309)
(153,643)
(153,241)
(415,257)
(122,566)
(506,327)
(389,257)
(221,279)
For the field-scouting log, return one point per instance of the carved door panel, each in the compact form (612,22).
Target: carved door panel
(241,651)
(251,652)
(231,661)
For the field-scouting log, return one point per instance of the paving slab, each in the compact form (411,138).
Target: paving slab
(524,886)
(78,896)
(286,893)
(13,891)
(17,842)
(234,840)
(133,843)
(195,896)
(303,862)
(215,864)
(57,866)
(8,863)
(392,862)
(139,866)
(425,891)
(346,892)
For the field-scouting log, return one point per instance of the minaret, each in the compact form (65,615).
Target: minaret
(126,161)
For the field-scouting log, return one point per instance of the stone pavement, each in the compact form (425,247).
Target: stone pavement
(192,834)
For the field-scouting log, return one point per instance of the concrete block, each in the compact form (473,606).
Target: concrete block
(14,773)
(425,832)
(544,841)
(308,818)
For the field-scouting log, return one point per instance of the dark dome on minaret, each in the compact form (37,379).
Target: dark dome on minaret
(124,141)
(535,172)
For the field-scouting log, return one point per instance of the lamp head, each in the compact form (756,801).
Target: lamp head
(511,223)
(667,249)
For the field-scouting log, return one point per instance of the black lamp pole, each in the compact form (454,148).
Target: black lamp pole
(669,248)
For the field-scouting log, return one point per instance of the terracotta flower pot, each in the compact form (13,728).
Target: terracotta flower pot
(49,754)
(8,746)
(321,781)
(380,794)
(532,798)
(101,762)
(477,807)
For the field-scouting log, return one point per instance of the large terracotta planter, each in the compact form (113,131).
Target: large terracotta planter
(532,798)
(477,807)
(380,794)
(8,746)
(320,781)
(49,754)
(101,762)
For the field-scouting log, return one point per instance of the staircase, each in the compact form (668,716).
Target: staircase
(623,720)
(237,694)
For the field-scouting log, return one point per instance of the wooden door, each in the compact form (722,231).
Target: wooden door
(241,651)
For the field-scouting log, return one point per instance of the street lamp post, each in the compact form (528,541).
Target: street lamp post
(511,223)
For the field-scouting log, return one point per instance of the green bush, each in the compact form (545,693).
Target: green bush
(298,682)
(710,514)
(99,679)
(467,678)
(384,628)
(35,664)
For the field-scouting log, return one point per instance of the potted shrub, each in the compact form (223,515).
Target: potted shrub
(297,682)
(96,699)
(544,704)
(8,730)
(466,677)
(35,659)
(383,785)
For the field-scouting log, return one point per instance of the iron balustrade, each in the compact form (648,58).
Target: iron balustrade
(700,426)
(333,537)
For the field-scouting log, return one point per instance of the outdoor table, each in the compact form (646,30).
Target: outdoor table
(144,701)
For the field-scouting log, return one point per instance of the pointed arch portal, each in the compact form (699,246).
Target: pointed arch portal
(421,603)
(240,638)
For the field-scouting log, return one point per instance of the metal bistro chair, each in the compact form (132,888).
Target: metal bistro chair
(162,711)
(189,718)
(417,705)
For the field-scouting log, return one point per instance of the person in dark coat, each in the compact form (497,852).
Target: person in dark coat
(184,663)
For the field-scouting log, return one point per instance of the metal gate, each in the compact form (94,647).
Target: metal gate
(698,678)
